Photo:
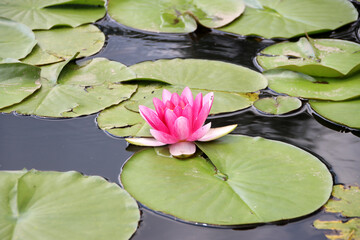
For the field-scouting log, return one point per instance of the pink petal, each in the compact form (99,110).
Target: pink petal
(166,96)
(148,142)
(182,149)
(188,95)
(215,133)
(163,137)
(178,111)
(159,107)
(187,112)
(182,129)
(152,119)
(197,104)
(199,133)
(175,99)
(208,99)
(199,121)
(170,118)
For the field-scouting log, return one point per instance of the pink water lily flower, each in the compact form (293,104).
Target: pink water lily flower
(179,121)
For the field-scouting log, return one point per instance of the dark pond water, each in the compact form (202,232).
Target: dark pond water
(77,144)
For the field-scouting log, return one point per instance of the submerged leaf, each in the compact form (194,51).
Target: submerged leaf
(336,58)
(52,205)
(174,16)
(247,176)
(290,18)
(58,44)
(40,14)
(80,90)
(17,40)
(349,230)
(278,105)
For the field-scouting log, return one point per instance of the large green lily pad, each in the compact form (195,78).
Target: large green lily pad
(290,18)
(52,205)
(345,112)
(17,40)
(278,105)
(251,180)
(315,57)
(341,231)
(174,16)
(301,85)
(40,14)
(80,90)
(17,81)
(347,201)
(58,44)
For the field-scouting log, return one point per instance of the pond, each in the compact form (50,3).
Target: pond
(78,144)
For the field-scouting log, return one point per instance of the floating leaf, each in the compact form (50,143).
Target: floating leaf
(336,58)
(301,85)
(342,231)
(278,105)
(253,180)
(17,81)
(40,14)
(52,205)
(345,113)
(290,18)
(174,16)
(80,90)
(347,201)
(17,40)
(253,4)
(58,44)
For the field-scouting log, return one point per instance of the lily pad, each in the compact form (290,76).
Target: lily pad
(250,180)
(301,85)
(345,113)
(278,105)
(349,230)
(17,81)
(53,205)
(317,57)
(347,201)
(80,90)
(40,14)
(290,18)
(58,44)
(17,40)
(174,16)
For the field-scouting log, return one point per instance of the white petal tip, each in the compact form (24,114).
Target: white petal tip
(182,149)
(146,142)
(215,133)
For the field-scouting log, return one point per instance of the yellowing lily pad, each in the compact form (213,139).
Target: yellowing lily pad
(174,16)
(40,14)
(59,44)
(278,105)
(290,18)
(17,40)
(80,90)
(301,85)
(345,112)
(317,57)
(59,206)
(249,180)
(17,81)
(349,230)
(347,201)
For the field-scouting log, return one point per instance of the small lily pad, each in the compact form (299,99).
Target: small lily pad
(278,105)
(349,230)
(17,40)
(347,201)
(53,205)
(17,81)
(345,112)
(250,180)
(174,16)
(318,57)
(40,14)
(59,44)
(80,90)
(290,18)
(301,85)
